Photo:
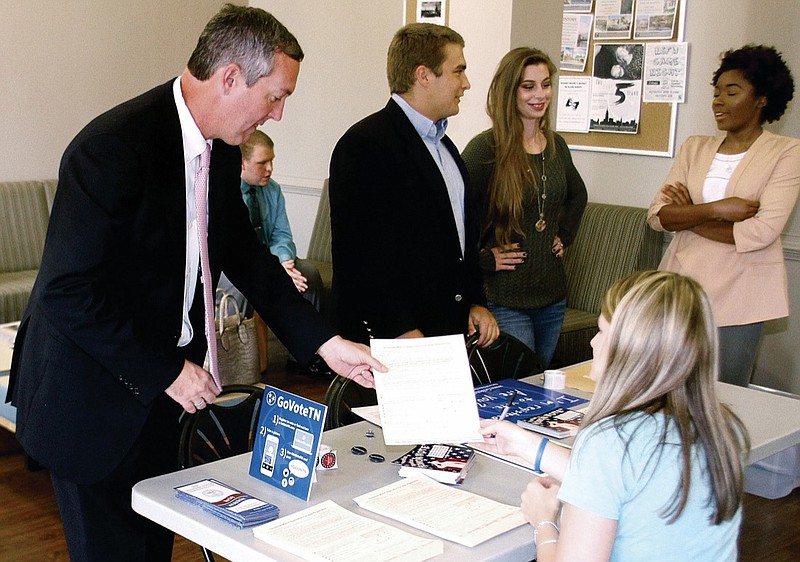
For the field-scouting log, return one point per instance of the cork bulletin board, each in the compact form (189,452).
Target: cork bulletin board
(655,135)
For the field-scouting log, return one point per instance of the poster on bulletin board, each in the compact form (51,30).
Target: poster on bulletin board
(286,445)
(622,74)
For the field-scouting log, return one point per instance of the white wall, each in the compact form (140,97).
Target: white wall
(63,63)
(486,29)
(342,79)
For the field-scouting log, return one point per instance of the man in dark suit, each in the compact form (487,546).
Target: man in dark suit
(109,350)
(410,269)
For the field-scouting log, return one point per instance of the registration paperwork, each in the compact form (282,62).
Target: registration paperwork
(444,511)
(427,394)
(328,532)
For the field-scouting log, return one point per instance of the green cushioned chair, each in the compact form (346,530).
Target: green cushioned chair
(613,241)
(319,248)
(24,214)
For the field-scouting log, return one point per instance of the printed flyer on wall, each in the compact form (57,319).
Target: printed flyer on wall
(289,434)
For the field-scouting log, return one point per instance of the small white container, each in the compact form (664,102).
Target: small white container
(555,379)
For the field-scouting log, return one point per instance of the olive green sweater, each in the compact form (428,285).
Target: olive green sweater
(540,281)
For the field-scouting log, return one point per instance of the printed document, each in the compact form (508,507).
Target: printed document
(327,532)
(427,394)
(444,511)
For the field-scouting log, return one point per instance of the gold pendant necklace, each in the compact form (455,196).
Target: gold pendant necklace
(541,224)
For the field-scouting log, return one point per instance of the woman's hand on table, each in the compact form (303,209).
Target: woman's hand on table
(507,438)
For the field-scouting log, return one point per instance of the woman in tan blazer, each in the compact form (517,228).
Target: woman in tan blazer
(728,198)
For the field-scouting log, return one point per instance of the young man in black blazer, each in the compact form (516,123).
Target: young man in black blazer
(411,268)
(111,345)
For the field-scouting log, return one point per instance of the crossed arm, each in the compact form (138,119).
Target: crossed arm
(710,220)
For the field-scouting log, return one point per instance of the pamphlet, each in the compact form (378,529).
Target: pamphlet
(231,505)
(558,423)
(445,511)
(446,463)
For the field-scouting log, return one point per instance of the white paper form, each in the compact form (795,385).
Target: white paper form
(427,395)
(444,511)
(328,532)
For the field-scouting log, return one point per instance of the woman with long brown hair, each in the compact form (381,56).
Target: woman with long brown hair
(532,199)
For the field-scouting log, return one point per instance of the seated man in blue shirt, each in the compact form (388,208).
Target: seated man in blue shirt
(267,207)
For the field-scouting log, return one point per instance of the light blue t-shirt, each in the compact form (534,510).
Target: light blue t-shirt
(618,473)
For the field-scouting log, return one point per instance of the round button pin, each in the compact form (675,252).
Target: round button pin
(375,457)
(358,450)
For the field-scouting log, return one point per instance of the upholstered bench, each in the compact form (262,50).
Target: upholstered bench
(24,213)
(319,248)
(613,241)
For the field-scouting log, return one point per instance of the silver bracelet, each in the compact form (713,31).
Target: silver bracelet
(539,524)
(547,522)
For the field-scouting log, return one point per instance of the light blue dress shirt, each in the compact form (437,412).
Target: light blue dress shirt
(431,134)
(274,221)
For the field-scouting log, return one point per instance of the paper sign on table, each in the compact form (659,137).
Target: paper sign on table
(289,434)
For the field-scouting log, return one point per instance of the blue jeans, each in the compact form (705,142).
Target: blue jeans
(538,328)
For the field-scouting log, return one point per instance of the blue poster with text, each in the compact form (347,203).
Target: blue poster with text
(289,433)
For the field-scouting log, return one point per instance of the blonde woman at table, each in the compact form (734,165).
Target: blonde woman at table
(656,469)
(728,197)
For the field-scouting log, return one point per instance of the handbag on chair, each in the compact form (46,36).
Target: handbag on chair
(237,344)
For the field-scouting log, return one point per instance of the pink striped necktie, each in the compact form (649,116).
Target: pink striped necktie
(200,200)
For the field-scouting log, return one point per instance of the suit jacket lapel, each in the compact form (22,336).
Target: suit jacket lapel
(223,192)
(432,175)
(168,149)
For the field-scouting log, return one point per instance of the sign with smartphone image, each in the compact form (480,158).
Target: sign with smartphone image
(289,434)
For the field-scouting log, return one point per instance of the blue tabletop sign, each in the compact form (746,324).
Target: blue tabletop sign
(289,433)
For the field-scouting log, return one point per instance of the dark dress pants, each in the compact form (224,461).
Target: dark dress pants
(99,522)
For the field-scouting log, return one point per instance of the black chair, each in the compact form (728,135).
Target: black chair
(342,396)
(505,358)
(223,429)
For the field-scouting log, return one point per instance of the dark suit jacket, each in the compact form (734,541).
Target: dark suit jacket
(97,343)
(397,262)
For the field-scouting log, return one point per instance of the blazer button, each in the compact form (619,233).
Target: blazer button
(459,298)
